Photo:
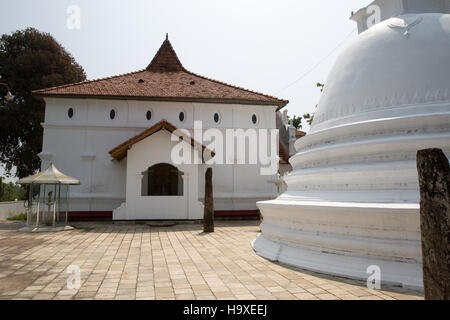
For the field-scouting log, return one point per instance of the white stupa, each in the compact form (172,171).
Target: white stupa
(353,195)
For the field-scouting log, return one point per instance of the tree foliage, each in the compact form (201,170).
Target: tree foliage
(29,60)
(295,121)
(309,117)
(321,86)
(11,191)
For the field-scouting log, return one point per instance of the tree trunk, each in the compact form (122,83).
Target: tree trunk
(208,215)
(434,181)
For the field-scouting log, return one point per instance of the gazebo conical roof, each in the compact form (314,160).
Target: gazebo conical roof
(50,176)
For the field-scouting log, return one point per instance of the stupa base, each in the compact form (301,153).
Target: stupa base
(393,273)
(344,239)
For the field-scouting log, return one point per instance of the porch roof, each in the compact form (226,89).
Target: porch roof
(120,152)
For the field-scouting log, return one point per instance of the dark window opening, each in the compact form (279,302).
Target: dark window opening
(112,114)
(181,116)
(70,112)
(148,115)
(216,117)
(162,180)
(254,119)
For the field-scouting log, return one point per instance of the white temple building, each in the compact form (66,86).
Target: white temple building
(353,198)
(114,135)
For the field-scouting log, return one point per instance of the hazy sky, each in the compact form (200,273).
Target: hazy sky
(256,44)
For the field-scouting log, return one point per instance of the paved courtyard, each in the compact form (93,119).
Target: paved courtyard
(126,261)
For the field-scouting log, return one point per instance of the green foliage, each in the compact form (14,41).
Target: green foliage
(295,121)
(11,191)
(309,117)
(321,86)
(29,60)
(19,217)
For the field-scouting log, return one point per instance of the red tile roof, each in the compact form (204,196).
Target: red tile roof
(299,134)
(164,79)
(283,154)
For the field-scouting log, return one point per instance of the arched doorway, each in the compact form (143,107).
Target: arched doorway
(162,179)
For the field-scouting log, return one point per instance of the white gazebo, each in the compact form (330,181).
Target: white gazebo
(48,202)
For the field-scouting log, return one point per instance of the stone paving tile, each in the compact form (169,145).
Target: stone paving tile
(137,261)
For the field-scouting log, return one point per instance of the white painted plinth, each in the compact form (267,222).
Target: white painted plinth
(344,239)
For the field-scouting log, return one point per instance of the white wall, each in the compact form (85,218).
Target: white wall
(79,147)
(140,207)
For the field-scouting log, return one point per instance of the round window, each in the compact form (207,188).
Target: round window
(112,114)
(148,115)
(254,119)
(70,112)
(181,116)
(216,117)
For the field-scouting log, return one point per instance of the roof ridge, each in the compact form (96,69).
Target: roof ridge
(237,87)
(87,81)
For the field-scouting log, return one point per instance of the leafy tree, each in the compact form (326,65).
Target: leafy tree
(2,188)
(295,121)
(29,60)
(11,191)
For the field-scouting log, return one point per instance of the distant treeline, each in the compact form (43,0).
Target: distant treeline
(11,191)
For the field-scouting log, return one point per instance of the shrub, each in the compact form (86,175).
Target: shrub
(19,217)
